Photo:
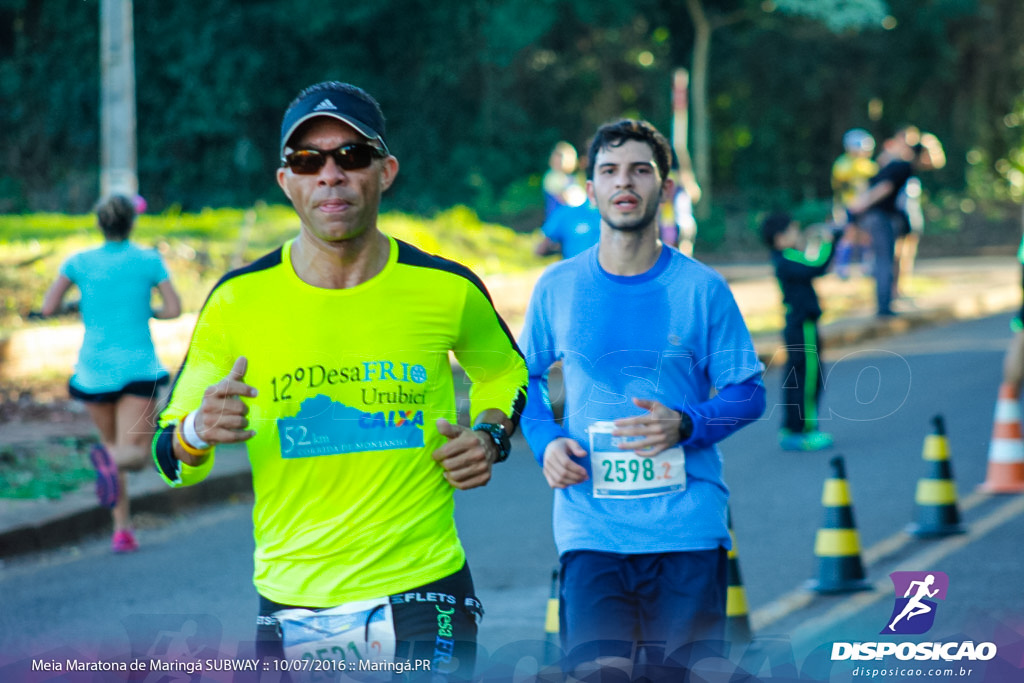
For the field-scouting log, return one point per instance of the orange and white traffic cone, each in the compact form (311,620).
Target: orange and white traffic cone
(1006,450)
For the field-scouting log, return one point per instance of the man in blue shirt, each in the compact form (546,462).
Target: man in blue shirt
(570,230)
(644,335)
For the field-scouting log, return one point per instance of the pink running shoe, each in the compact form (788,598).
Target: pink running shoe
(124,542)
(107,489)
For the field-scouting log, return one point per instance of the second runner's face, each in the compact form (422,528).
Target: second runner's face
(627,186)
(334,204)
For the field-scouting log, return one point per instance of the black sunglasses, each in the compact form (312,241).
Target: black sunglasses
(351,157)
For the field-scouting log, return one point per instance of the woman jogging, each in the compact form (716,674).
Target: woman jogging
(118,374)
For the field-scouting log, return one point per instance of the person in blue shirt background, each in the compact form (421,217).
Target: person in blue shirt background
(560,183)
(644,335)
(570,230)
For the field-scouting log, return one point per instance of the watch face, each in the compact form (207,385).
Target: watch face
(498,436)
(499,433)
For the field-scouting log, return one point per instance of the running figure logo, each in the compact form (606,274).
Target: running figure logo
(914,613)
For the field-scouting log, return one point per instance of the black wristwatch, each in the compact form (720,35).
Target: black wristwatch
(498,436)
(685,426)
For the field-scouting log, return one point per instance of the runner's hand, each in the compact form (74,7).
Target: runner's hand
(467,457)
(221,417)
(559,468)
(659,428)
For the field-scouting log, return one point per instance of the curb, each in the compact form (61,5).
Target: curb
(840,334)
(853,331)
(70,526)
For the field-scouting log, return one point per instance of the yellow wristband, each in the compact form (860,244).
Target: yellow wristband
(191,450)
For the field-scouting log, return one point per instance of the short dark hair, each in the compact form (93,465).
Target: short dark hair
(617,133)
(116,215)
(774,224)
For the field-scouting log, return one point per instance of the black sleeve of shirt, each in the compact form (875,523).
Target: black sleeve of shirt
(896,172)
(163,453)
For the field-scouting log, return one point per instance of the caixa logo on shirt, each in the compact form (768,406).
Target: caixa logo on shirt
(391,418)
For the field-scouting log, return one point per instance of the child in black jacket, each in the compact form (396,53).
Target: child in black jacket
(802,381)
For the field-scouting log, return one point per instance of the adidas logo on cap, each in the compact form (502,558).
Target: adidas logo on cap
(324,104)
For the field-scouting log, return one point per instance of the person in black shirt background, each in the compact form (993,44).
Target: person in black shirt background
(876,209)
(797,261)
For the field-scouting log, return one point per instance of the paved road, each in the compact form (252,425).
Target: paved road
(879,401)
(190,584)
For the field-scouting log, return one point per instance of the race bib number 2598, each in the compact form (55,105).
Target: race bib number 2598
(618,473)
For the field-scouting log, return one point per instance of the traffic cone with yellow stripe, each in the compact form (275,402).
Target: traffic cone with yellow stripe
(737,619)
(837,545)
(937,513)
(1006,450)
(551,638)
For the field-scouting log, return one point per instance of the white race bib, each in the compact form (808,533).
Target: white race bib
(347,634)
(619,473)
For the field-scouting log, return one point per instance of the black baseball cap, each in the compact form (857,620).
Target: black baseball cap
(342,101)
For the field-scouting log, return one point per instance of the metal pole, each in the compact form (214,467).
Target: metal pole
(117,102)
(681,111)
(680,132)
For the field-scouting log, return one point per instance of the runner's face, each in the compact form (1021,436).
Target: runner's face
(627,186)
(333,204)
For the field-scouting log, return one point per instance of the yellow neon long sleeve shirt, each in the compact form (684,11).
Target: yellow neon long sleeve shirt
(349,503)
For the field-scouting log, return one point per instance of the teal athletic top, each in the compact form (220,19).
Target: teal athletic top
(116,281)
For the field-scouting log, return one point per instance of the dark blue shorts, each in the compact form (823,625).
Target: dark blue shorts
(145,388)
(610,602)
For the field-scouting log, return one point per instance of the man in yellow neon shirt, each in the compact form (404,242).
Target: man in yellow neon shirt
(329,357)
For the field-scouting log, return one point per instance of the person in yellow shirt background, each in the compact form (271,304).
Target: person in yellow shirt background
(850,174)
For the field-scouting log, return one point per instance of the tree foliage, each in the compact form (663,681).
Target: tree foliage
(477,91)
(837,15)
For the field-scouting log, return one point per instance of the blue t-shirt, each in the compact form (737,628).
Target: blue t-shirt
(672,334)
(576,228)
(116,282)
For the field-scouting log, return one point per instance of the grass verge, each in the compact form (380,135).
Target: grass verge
(199,248)
(44,470)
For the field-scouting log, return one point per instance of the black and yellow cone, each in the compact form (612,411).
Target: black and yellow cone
(937,513)
(837,545)
(551,638)
(737,618)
